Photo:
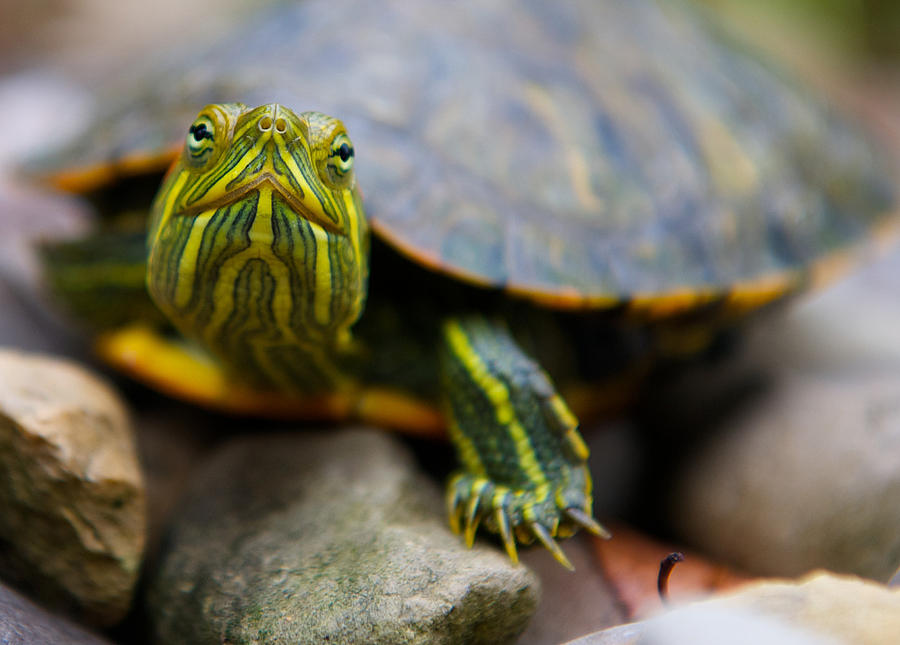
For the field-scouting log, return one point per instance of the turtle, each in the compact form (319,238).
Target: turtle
(558,194)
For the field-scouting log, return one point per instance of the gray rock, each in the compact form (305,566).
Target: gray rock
(805,472)
(72,498)
(24,623)
(821,609)
(308,538)
(809,478)
(707,625)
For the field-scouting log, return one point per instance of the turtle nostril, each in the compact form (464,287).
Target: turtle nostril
(280,125)
(265,123)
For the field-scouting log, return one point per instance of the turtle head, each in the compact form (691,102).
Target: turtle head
(230,151)
(259,225)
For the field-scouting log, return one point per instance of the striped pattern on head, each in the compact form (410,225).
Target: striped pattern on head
(258,244)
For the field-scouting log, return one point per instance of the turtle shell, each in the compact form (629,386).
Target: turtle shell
(581,153)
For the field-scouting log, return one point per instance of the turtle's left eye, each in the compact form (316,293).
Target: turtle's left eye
(200,140)
(341,156)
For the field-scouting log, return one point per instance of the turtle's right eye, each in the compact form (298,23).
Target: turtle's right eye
(200,140)
(341,154)
(338,165)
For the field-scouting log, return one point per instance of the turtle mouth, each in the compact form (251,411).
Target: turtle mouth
(270,181)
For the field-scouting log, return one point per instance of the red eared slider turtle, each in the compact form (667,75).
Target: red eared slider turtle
(606,177)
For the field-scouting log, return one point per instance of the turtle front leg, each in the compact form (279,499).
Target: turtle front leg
(525,474)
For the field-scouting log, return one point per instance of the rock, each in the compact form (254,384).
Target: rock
(802,472)
(808,478)
(822,609)
(24,623)
(845,608)
(72,501)
(702,625)
(308,538)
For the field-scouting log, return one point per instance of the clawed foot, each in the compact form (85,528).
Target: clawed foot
(525,471)
(518,515)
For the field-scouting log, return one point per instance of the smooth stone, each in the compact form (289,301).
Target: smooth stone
(72,508)
(24,623)
(803,470)
(328,537)
(702,625)
(821,609)
(808,478)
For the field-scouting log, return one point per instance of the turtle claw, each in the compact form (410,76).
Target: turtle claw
(453,506)
(464,506)
(515,516)
(587,522)
(473,519)
(545,538)
(506,534)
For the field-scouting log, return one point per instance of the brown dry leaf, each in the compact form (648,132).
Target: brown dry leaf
(630,562)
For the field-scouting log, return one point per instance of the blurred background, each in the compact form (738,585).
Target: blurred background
(82,37)
(866,29)
(851,48)
(87,38)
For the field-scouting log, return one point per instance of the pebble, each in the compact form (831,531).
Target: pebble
(72,501)
(802,470)
(24,623)
(328,537)
(820,609)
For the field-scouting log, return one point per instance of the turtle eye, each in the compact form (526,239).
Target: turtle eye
(340,159)
(200,140)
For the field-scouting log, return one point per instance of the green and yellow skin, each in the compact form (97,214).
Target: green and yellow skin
(257,251)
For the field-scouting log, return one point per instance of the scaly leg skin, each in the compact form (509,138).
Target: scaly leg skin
(525,474)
